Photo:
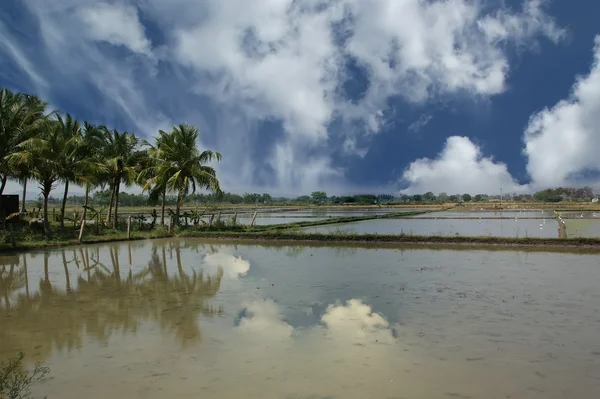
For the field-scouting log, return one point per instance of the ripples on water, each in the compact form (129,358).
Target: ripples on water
(179,318)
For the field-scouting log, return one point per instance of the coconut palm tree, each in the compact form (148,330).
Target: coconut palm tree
(149,178)
(90,167)
(21,117)
(69,158)
(181,166)
(42,154)
(122,158)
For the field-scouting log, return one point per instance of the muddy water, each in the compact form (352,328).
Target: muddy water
(547,228)
(181,319)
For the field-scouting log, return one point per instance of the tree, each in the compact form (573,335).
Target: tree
(429,196)
(183,166)
(40,153)
(466,197)
(417,197)
(22,117)
(150,177)
(69,157)
(89,166)
(548,195)
(442,197)
(122,158)
(318,197)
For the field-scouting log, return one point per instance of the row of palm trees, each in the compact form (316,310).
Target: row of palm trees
(49,148)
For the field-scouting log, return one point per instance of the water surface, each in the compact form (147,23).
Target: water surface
(179,318)
(537,214)
(446,227)
(583,228)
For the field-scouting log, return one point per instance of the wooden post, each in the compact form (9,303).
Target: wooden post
(81,230)
(253,219)
(210,221)
(129,227)
(12,236)
(219,217)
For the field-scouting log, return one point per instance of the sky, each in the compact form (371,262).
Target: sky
(345,96)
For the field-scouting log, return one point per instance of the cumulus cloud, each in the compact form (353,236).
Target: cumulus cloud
(117,24)
(227,66)
(562,142)
(459,168)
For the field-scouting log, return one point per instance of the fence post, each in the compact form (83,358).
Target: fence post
(129,227)
(81,230)
(210,221)
(253,218)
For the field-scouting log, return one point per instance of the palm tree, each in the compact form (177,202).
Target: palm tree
(122,159)
(89,166)
(149,178)
(42,153)
(69,157)
(21,117)
(182,166)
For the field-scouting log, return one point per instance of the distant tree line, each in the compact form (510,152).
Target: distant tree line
(102,197)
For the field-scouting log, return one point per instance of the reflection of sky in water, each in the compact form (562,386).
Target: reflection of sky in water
(473,213)
(583,228)
(306,322)
(446,227)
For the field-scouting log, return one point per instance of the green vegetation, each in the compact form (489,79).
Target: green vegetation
(15,381)
(49,148)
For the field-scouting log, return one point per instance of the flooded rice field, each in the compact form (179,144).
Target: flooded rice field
(179,318)
(582,228)
(512,214)
(547,228)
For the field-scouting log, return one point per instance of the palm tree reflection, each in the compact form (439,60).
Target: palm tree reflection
(103,302)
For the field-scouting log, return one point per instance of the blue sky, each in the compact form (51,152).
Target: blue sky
(341,95)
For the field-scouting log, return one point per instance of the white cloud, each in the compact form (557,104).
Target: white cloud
(563,141)
(277,60)
(117,24)
(459,168)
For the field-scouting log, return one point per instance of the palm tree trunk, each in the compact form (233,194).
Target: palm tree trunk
(64,204)
(116,220)
(112,198)
(162,211)
(85,202)
(24,195)
(178,208)
(46,194)
(3,184)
